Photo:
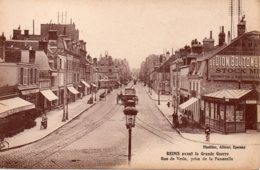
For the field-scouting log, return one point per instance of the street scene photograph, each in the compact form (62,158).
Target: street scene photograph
(130,84)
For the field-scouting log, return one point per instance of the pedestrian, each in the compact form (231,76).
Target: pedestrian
(175,120)
(207,132)
(44,121)
(168,103)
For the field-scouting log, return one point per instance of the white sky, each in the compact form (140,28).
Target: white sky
(130,29)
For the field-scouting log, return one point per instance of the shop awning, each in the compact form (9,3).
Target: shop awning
(188,103)
(94,85)
(14,105)
(228,93)
(49,95)
(73,90)
(85,83)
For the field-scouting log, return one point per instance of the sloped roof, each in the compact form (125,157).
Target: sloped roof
(209,54)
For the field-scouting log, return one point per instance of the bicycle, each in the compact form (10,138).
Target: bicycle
(3,144)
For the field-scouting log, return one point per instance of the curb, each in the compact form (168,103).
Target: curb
(19,146)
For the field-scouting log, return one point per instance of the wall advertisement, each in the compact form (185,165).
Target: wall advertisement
(234,67)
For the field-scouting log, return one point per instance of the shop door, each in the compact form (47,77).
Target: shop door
(250,116)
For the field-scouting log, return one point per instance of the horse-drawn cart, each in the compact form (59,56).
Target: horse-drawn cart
(128,95)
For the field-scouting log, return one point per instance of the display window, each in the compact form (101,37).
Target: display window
(222,111)
(230,114)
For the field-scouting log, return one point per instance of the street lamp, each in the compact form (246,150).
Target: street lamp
(130,113)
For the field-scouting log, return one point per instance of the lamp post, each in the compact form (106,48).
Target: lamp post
(130,113)
(159,96)
(174,104)
(95,94)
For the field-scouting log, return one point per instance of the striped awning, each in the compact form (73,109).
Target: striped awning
(49,95)
(228,93)
(192,105)
(73,90)
(188,103)
(14,105)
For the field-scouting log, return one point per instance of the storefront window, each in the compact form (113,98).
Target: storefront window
(206,109)
(230,113)
(212,110)
(221,111)
(240,113)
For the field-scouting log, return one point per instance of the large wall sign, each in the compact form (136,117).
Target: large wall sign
(234,67)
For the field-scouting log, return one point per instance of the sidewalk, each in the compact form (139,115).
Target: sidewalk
(251,137)
(34,134)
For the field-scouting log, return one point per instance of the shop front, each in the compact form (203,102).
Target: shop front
(72,95)
(47,100)
(16,114)
(29,94)
(230,111)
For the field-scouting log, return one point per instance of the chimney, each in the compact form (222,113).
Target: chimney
(16,34)
(208,43)
(241,27)
(32,56)
(221,36)
(26,33)
(229,37)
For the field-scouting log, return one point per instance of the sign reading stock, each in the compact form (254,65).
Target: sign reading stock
(234,67)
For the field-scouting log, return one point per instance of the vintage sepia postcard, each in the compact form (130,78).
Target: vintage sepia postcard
(130,84)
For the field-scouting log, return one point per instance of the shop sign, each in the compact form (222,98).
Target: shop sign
(234,67)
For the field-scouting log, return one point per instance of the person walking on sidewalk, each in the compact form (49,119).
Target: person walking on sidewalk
(44,121)
(207,132)
(175,120)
